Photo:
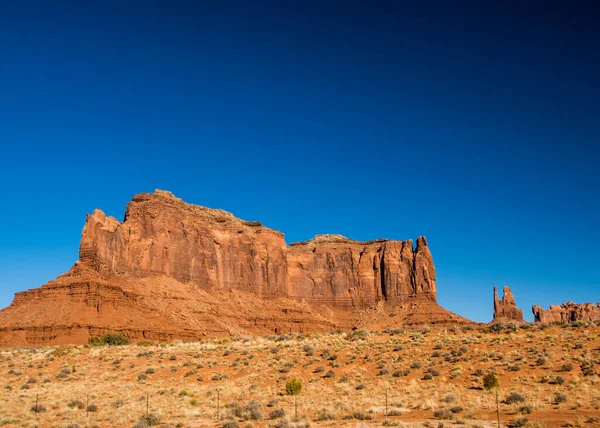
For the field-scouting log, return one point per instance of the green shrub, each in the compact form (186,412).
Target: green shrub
(110,339)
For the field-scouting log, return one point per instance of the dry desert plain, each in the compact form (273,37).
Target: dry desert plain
(432,377)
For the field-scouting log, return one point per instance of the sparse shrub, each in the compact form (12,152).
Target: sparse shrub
(360,416)
(276,414)
(329,374)
(231,424)
(110,339)
(251,411)
(587,368)
(566,367)
(517,423)
(360,386)
(442,414)
(560,398)
(527,409)
(433,372)
(148,420)
(514,398)
(559,380)
(450,398)
(456,409)
(91,408)
(38,408)
(142,376)
(76,404)
(150,370)
(308,350)
(324,415)
(319,369)
(118,404)
(415,365)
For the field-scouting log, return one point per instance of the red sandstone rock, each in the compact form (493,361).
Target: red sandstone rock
(567,312)
(175,270)
(506,309)
(346,273)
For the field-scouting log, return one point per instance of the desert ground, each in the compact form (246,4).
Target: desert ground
(418,377)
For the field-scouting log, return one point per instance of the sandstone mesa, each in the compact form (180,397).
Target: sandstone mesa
(173,270)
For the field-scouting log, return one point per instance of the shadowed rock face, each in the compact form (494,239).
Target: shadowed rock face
(567,312)
(175,270)
(506,309)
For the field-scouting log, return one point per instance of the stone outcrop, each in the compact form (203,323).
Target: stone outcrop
(175,270)
(161,234)
(567,312)
(346,273)
(506,309)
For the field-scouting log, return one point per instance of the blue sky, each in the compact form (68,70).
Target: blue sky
(476,126)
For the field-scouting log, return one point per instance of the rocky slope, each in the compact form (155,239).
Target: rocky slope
(506,309)
(567,312)
(174,270)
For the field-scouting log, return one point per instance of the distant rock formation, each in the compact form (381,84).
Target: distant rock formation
(567,312)
(506,309)
(175,270)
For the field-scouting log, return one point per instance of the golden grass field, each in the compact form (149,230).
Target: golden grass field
(432,377)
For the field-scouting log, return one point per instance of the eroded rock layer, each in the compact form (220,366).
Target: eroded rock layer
(506,309)
(175,270)
(567,312)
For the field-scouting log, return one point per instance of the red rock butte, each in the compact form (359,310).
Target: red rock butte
(173,270)
(567,312)
(506,309)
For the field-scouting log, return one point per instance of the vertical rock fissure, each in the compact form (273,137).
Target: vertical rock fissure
(384,290)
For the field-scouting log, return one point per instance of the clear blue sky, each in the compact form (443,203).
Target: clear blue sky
(476,126)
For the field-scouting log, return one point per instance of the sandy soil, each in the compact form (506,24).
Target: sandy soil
(431,377)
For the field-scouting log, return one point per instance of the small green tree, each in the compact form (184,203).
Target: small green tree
(294,387)
(490,383)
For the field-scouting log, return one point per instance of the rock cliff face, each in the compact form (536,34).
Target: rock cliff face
(346,273)
(567,312)
(506,309)
(175,270)
(162,234)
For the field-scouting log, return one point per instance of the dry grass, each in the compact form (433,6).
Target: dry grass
(431,376)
